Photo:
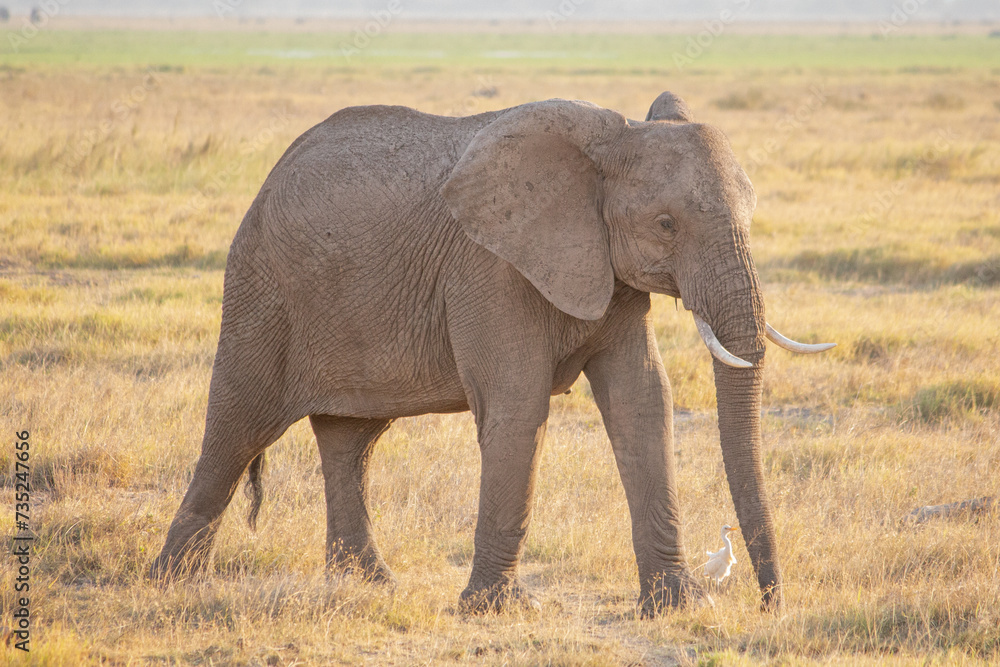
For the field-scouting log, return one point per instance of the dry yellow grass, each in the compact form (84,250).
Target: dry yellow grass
(877,227)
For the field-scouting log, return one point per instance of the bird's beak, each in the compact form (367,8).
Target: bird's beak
(733,530)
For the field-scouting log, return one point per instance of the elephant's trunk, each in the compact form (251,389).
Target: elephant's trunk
(738,392)
(736,313)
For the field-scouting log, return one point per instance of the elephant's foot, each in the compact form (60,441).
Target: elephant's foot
(368,567)
(169,567)
(182,556)
(500,597)
(164,569)
(671,590)
(380,576)
(771,600)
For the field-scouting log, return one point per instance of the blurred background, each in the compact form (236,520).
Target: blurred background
(133,137)
(521,10)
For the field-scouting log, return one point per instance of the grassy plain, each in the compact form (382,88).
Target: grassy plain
(126,162)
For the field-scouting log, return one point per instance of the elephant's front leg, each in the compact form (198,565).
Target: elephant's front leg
(510,438)
(633,394)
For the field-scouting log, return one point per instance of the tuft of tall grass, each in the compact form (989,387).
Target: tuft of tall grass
(898,266)
(956,400)
(940,101)
(752,99)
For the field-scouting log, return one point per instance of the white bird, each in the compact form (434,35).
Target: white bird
(721,561)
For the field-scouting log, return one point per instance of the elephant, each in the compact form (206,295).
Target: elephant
(397,263)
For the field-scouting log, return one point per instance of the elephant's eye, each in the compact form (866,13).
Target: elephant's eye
(667,222)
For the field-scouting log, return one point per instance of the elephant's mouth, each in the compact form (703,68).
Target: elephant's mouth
(661,280)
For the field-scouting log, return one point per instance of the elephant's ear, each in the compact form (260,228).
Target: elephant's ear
(670,107)
(527,189)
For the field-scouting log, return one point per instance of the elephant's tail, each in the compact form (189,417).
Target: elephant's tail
(254,489)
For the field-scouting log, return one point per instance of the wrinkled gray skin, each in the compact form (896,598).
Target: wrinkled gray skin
(396,263)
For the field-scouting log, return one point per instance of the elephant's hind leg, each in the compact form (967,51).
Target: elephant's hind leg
(250,404)
(345,445)
(232,440)
(509,444)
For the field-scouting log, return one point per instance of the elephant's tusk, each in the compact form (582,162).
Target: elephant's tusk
(794,346)
(715,347)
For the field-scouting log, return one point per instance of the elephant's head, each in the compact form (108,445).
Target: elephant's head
(576,196)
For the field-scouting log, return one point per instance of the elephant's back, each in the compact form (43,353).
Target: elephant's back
(387,151)
(394,144)
(362,178)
